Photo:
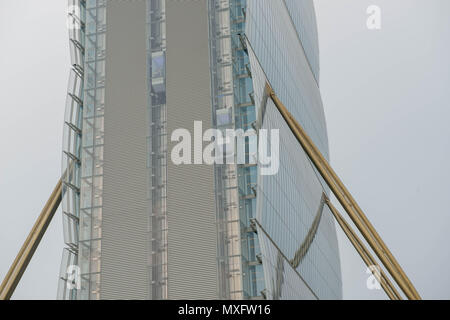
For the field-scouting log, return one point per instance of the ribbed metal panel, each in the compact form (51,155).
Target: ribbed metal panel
(192,235)
(125,240)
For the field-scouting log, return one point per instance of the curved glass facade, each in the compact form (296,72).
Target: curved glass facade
(291,218)
(72,146)
(83,150)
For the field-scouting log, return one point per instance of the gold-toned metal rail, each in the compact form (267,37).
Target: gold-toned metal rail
(25,254)
(363,219)
(369,260)
(346,200)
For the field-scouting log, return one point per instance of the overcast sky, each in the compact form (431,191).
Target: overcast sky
(386,95)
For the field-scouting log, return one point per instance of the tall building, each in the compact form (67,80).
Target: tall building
(139,226)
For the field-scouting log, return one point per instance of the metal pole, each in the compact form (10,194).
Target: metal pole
(313,152)
(25,254)
(364,253)
(352,202)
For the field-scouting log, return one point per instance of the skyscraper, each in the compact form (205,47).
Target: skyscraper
(139,226)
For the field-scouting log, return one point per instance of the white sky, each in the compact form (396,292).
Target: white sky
(386,96)
(34,64)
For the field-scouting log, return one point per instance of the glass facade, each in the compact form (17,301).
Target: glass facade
(157,144)
(275,237)
(91,198)
(252,272)
(72,147)
(282,46)
(222,51)
(83,149)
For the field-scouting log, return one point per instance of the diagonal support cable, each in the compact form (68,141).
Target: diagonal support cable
(346,200)
(364,253)
(31,243)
